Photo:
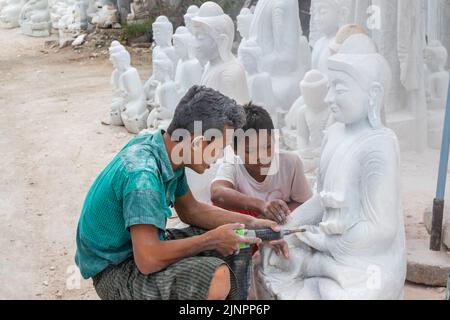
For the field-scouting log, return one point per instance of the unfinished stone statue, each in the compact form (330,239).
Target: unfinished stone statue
(189,70)
(107,14)
(9,14)
(285,51)
(191,12)
(214,35)
(139,11)
(259,83)
(311,116)
(34,18)
(437,90)
(130,98)
(354,244)
(72,22)
(167,94)
(328,15)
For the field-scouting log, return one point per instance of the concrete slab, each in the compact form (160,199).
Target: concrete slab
(426,266)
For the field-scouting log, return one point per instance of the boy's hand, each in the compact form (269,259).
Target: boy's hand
(276,210)
(280,247)
(226,241)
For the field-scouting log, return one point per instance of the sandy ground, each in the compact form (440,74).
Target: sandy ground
(53,145)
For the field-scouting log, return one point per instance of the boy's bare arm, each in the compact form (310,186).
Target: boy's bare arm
(225,196)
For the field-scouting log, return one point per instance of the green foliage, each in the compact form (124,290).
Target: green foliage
(136,29)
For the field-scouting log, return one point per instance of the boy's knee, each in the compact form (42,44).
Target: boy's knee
(220,284)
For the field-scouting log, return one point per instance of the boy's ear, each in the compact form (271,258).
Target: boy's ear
(197,142)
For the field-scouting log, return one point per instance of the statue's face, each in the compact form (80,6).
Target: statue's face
(327,18)
(180,47)
(206,48)
(347,100)
(161,35)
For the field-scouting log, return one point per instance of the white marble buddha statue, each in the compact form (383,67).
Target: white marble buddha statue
(167,94)
(191,12)
(436,55)
(131,101)
(354,244)
(9,14)
(118,101)
(34,18)
(244,21)
(285,51)
(259,83)
(189,70)
(214,35)
(311,116)
(162,34)
(329,16)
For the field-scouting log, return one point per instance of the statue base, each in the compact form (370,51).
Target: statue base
(40,29)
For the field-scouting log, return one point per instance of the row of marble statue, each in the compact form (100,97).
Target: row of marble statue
(68,17)
(272,62)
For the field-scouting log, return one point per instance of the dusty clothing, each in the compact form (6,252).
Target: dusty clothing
(188,279)
(137,187)
(286,180)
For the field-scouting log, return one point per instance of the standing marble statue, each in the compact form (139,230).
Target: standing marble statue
(354,244)
(189,70)
(10,12)
(167,94)
(130,101)
(244,21)
(214,35)
(437,90)
(285,52)
(34,18)
(328,16)
(259,83)
(162,34)
(311,116)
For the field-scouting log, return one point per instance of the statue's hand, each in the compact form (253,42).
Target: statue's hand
(313,237)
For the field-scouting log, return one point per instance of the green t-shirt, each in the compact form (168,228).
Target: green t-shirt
(137,187)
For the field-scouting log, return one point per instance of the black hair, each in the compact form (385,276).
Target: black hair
(209,106)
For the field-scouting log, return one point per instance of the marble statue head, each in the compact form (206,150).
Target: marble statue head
(343,34)
(249,55)
(330,15)
(191,12)
(435,55)
(163,67)
(182,42)
(244,21)
(162,31)
(314,88)
(121,59)
(214,33)
(359,78)
(114,49)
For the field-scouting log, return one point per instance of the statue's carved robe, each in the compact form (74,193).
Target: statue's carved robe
(355,244)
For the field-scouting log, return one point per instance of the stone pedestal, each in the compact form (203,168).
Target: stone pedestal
(425,266)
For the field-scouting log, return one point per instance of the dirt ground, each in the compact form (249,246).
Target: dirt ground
(53,145)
